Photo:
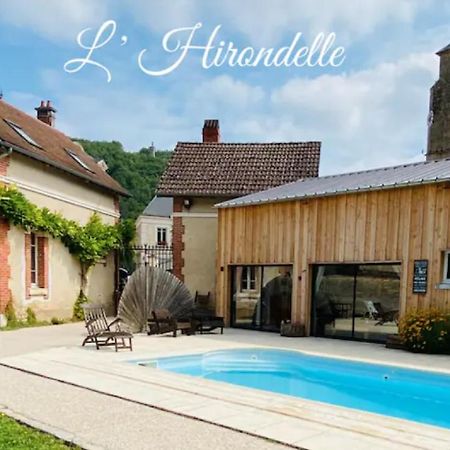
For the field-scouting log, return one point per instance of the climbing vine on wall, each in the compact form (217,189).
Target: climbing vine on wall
(88,243)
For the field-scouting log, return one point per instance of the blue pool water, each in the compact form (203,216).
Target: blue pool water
(392,391)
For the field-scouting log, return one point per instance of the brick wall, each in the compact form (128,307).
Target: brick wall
(5,271)
(4,163)
(177,239)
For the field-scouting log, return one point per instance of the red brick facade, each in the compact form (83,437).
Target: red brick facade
(5,271)
(4,163)
(177,239)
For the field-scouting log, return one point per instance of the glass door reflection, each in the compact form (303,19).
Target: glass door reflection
(261,297)
(359,301)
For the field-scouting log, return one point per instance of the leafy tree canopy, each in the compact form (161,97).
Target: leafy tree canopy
(138,172)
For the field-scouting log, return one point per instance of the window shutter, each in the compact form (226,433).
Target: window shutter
(42,248)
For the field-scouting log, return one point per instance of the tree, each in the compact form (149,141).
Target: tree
(138,172)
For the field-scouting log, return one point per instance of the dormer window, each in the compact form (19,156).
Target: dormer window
(76,158)
(21,132)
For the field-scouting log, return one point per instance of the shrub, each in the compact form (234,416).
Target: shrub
(78,313)
(10,313)
(426,331)
(56,321)
(31,317)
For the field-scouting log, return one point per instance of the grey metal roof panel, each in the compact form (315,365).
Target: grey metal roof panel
(160,207)
(375,179)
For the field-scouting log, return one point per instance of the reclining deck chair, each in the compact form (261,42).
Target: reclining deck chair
(103,334)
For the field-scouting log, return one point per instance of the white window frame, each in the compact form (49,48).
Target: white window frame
(163,230)
(249,279)
(446,280)
(34,254)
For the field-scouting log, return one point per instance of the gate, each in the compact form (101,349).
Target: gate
(154,256)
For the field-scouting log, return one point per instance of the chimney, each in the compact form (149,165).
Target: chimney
(211,131)
(438,146)
(46,113)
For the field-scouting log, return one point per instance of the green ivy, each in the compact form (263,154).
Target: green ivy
(88,243)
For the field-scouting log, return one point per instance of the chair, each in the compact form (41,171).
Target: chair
(163,322)
(204,319)
(205,322)
(386,316)
(375,311)
(101,333)
(202,300)
(372,312)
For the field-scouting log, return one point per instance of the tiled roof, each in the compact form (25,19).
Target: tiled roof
(369,180)
(53,148)
(230,170)
(160,207)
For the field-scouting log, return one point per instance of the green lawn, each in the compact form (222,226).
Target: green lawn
(15,436)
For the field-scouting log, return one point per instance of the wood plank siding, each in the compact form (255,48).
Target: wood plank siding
(392,225)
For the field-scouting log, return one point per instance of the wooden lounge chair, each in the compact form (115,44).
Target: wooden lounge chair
(103,334)
(163,322)
(375,311)
(203,318)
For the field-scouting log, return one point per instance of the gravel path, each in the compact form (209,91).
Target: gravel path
(96,421)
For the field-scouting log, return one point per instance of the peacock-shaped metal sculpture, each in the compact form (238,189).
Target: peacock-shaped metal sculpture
(151,288)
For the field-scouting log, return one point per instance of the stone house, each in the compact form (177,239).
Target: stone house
(52,171)
(202,174)
(154,225)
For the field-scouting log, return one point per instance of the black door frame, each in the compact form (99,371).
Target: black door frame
(233,290)
(355,278)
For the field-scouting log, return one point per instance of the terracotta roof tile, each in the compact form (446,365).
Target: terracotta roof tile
(230,170)
(54,147)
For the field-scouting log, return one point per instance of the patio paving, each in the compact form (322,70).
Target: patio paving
(93,420)
(289,420)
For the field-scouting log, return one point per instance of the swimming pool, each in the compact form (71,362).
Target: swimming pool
(393,391)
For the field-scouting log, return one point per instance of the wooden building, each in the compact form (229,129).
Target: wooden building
(344,255)
(368,245)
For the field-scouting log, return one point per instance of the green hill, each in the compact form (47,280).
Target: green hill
(138,172)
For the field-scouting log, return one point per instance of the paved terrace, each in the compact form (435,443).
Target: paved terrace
(166,410)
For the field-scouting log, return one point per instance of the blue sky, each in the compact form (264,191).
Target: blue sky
(369,112)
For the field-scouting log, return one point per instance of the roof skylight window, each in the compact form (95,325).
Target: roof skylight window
(22,133)
(76,158)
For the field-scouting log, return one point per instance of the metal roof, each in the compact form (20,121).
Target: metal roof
(369,180)
(160,207)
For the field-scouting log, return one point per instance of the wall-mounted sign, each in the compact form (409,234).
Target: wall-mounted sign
(420,279)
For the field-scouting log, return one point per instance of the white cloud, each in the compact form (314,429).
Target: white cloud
(368,118)
(265,22)
(54,19)
(225,92)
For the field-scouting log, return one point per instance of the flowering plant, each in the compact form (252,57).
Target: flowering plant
(426,330)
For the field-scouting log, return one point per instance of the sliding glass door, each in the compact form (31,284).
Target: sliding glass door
(356,301)
(261,297)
